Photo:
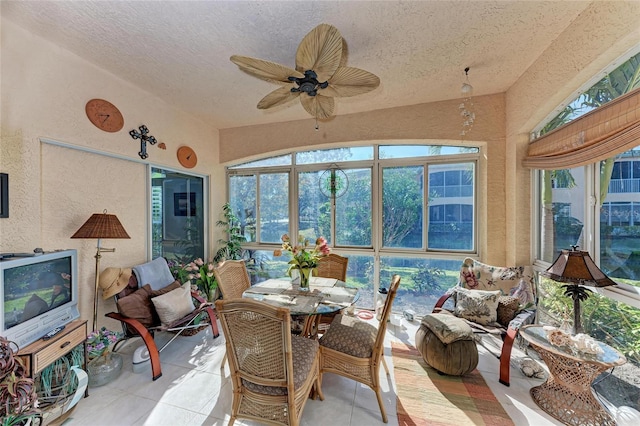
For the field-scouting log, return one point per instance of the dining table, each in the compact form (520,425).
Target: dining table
(324,296)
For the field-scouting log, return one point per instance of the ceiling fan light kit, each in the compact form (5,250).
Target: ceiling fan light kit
(317,78)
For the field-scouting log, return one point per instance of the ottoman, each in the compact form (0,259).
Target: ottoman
(447,344)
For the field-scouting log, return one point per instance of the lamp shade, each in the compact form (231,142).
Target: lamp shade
(101,225)
(577,267)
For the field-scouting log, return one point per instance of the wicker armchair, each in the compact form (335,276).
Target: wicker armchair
(353,348)
(272,371)
(233,280)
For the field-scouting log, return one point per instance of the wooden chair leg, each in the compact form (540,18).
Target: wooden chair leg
(505,355)
(380,403)
(384,364)
(213,320)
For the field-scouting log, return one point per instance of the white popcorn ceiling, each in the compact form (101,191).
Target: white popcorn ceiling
(179,50)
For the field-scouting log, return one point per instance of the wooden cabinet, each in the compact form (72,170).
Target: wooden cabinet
(39,354)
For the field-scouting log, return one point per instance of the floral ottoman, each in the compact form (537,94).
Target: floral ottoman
(447,344)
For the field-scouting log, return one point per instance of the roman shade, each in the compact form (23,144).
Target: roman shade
(600,134)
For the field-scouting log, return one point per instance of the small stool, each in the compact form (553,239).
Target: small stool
(447,344)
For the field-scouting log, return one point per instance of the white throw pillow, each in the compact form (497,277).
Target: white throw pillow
(174,305)
(479,306)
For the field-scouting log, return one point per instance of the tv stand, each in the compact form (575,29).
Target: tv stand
(42,353)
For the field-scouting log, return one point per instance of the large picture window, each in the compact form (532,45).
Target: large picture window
(595,206)
(373,205)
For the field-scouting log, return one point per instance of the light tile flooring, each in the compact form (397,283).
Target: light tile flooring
(193,390)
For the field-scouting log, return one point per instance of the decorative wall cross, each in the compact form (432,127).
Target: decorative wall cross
(142,135)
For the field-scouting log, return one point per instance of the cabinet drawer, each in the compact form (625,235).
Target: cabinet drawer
(59,348)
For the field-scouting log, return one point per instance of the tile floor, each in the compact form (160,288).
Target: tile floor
(193,391)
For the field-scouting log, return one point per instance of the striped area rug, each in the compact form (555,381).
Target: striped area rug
(428,398)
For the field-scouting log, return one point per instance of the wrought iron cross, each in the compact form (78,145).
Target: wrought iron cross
(142,135)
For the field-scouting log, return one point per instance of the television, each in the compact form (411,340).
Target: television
(38,293)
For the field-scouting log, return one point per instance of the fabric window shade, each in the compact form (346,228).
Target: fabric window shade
(600,134)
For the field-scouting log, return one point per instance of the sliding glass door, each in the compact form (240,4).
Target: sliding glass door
(178,215)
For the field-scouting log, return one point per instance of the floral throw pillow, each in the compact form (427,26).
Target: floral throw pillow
(479,306)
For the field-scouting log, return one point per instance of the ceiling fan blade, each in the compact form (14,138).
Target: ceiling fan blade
(320,51)
(278,97)
(318,106)
(265,69)
(348,81)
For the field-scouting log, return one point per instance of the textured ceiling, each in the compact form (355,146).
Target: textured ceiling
(179,50)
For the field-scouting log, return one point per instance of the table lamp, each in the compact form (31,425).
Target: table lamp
(100,225)
(576,268)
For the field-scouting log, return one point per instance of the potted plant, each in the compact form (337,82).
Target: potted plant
(104,365)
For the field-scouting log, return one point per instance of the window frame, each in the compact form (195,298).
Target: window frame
(375,165)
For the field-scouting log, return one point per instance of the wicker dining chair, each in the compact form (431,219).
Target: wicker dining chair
(272,371)
(331,266)
(233,280)
(354,349)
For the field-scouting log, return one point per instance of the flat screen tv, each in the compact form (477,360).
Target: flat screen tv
(37,294)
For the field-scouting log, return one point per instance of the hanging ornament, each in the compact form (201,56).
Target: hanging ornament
(333,182)
(466,107)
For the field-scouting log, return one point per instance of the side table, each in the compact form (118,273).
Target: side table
(567,395)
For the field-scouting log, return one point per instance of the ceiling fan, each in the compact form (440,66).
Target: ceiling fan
(318,76)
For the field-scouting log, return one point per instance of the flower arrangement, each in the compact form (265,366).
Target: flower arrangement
(199,273)
(98,342)
(304,256)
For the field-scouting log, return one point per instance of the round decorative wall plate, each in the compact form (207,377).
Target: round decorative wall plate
(187,157)
(104,115)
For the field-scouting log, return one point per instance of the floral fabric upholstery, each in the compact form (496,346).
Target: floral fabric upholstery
(447,328)
(304,352)
(479,306)
(350,336)
(517,281)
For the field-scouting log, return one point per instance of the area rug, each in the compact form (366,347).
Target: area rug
(428,398)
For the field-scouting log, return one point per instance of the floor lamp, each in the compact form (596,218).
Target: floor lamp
(100,225)
(576,268)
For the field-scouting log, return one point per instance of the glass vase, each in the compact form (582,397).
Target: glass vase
(104,369)
(305,277)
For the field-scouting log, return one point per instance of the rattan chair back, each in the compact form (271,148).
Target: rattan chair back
(232,278)
(259,350)
(333,266)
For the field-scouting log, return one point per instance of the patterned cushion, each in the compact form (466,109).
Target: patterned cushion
(304,352)
(447,328)
(350,336)
(476,275)
(523,292)
(477,305)
(507,308)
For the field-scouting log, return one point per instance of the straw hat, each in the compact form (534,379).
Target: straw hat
(113,281)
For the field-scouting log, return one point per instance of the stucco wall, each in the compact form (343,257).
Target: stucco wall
(437,122)
(53,189)
(600,35)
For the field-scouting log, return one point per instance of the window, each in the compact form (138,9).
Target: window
(178,215)
(597,207)
(373,205)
